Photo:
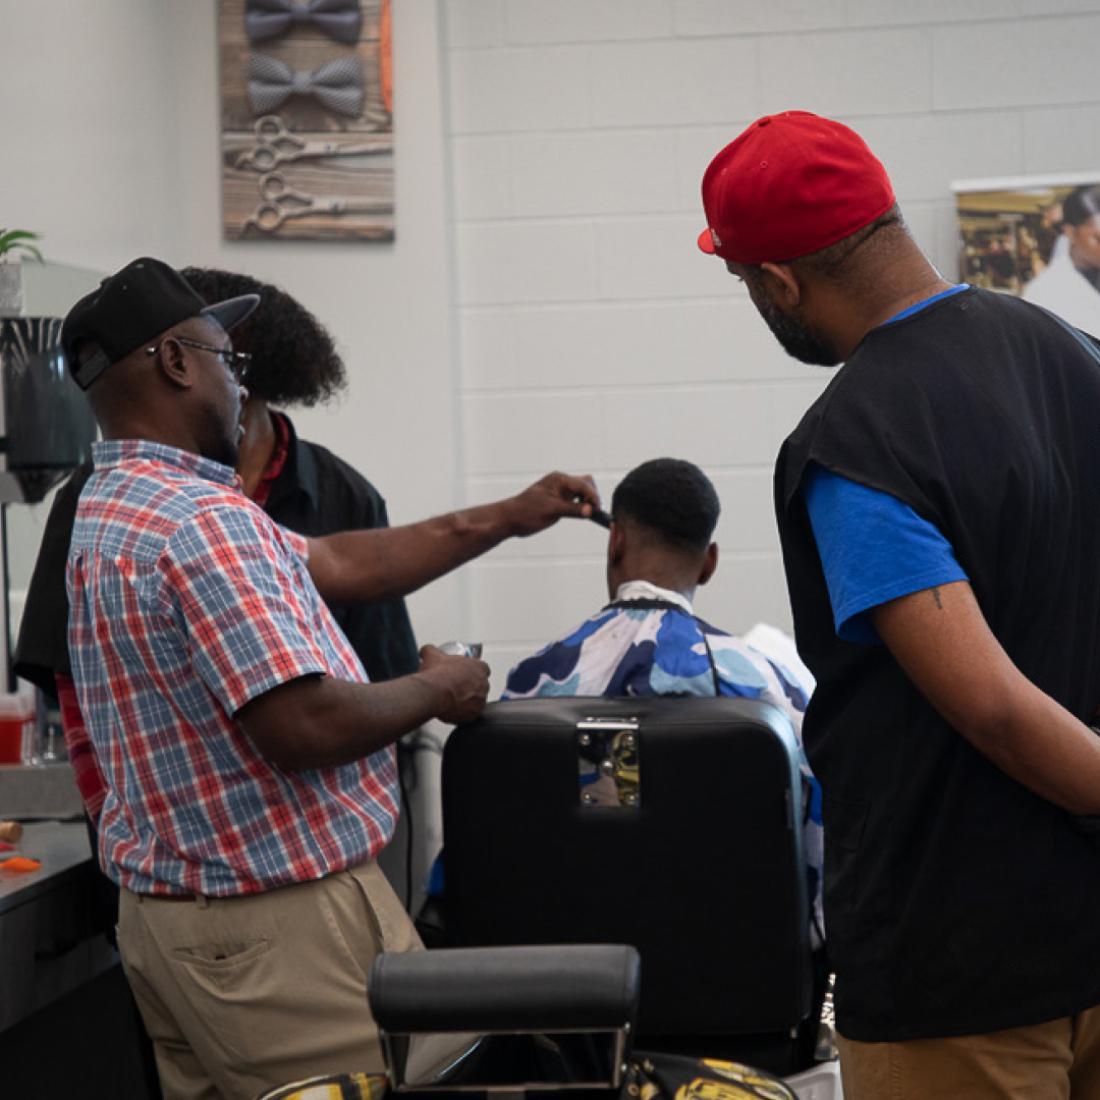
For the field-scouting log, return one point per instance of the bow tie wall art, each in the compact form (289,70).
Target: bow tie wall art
(307,119)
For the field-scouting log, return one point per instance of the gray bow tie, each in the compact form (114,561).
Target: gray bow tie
(337,85)
(339,19)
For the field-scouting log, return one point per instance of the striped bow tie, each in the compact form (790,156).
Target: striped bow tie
(337,85)
(339,19)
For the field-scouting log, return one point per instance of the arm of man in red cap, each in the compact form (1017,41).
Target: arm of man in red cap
(943,643)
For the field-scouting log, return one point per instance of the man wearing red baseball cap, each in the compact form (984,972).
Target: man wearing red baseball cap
(937,512)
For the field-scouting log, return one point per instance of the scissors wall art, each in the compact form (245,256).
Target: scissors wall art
(276,145)
(279,201)
(306,120)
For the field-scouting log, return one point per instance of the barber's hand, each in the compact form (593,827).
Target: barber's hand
(465,679)
(550,498)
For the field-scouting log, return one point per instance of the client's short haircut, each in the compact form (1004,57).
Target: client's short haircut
(672,498)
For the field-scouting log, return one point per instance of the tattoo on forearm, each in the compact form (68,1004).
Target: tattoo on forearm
(936,597)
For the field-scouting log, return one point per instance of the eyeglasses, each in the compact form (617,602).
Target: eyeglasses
(237,361)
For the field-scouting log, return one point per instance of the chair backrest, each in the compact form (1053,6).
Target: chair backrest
(699,865)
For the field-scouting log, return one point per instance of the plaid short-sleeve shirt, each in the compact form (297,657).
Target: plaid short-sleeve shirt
(186,602)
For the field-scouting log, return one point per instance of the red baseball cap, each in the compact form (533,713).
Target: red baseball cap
(791,184)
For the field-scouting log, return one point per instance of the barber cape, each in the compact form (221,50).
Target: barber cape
(650,642)
(958,901)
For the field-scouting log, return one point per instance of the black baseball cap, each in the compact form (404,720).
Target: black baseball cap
(133,306)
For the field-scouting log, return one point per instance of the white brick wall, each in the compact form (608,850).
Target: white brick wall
(591,333)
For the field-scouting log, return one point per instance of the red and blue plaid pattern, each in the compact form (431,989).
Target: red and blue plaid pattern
(186,602)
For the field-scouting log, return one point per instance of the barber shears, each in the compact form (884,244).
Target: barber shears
(279,202)
(276,145)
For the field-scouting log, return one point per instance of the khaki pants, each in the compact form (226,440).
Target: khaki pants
(1057,1060)
(243,994)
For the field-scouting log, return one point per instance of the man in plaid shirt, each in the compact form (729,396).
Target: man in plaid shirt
(249,765)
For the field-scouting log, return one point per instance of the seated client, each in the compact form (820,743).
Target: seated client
(649,641)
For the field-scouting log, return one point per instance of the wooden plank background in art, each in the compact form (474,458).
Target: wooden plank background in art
(302,168)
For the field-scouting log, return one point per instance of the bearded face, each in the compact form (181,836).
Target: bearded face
(796,338)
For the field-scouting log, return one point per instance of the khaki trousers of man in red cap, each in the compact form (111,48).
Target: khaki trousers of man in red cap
(1050,1061)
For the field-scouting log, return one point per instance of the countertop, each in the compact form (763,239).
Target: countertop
(39,792)
(60,846)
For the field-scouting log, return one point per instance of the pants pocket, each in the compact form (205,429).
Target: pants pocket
(215,957)
(390,924)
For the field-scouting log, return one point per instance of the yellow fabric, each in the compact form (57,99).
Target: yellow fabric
(343,1086)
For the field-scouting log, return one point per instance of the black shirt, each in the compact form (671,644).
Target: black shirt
(956,900)
(315,493)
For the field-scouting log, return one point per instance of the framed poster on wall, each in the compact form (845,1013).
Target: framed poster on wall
(306,119)
(1037,237)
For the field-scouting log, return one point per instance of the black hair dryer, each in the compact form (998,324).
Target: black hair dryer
(46,424)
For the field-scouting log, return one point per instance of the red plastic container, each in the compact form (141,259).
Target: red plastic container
(16,724)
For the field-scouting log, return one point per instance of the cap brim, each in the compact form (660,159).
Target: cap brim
(706,241)
(232,311)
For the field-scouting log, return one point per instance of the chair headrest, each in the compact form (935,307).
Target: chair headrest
(574,987)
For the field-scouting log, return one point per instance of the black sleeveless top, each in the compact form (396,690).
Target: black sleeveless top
(956,901)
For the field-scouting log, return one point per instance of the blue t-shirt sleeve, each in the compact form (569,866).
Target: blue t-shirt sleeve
(873,548)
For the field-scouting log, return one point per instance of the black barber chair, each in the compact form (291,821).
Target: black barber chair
(672,824)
